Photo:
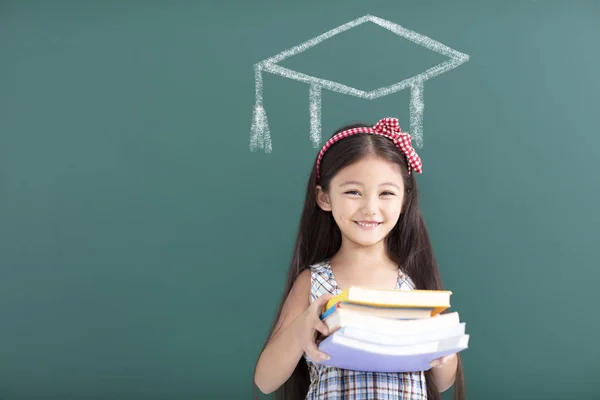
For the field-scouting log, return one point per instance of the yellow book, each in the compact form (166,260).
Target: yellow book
(437,300)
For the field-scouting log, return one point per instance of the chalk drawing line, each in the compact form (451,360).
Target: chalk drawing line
(260,137)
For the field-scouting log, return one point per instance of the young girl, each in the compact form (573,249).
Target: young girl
(361,225)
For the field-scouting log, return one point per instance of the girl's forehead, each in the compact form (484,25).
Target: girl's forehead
(370,169)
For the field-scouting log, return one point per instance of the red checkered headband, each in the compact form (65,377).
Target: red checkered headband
(388,127)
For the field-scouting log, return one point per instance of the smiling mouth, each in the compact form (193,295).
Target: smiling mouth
(367,225)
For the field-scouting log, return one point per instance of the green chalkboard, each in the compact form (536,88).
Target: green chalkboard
(146,224)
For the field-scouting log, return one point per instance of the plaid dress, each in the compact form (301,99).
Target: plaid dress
(333,383)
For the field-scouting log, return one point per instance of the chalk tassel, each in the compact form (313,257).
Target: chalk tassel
(260,135)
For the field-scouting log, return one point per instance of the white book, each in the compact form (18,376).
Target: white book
(370,335)
(346,317)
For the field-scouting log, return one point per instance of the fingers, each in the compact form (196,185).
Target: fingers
(442,361)
(314,321)
(321,327)
(438,362)
(322,300)
(315,354)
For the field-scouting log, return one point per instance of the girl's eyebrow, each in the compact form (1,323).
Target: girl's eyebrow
(350,183)
(390,184)
(358,183)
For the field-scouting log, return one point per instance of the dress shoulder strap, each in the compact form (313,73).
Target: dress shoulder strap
(404,282)
(321,280)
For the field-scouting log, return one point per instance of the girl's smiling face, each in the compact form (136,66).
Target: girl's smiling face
(365,200)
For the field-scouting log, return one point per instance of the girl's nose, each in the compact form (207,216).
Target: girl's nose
(370,208)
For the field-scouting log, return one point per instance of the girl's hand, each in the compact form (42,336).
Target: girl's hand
(308,324)
(442,361)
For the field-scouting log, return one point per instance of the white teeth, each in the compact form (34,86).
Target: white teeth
(368,225)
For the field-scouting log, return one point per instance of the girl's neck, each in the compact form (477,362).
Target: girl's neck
(351,255)
(363,266)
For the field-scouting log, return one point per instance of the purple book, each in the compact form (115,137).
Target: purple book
(356,355)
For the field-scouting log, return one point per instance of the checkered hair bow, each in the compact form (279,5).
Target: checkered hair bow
(388,127)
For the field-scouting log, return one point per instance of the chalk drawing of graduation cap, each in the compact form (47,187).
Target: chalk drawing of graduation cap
(260,136)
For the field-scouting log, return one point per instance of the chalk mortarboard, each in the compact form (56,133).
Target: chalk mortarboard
(260,136)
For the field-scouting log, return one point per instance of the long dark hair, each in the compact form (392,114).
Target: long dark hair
(319,238)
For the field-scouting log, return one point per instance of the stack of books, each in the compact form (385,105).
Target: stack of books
(390,330)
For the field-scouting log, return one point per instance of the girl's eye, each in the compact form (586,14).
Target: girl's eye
(388,193)
(353,192)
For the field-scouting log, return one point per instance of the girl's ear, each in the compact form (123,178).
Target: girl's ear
(323,199)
